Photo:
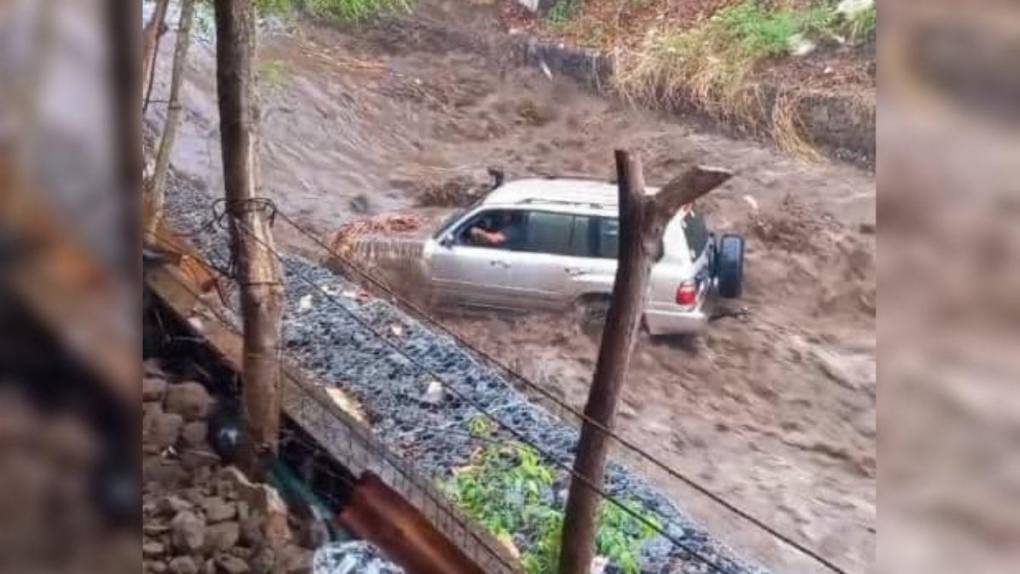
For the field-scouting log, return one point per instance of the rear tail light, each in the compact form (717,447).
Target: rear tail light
(687,293)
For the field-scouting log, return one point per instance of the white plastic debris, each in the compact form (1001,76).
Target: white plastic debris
(305,303)
(352,557)
(434,393)
(397,330)
(545,69)
(800,46)
(752,202)
(851,8)
(598,564)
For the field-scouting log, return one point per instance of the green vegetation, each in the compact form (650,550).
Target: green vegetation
(344,10)
(562,12)
(712,64)
(508,490)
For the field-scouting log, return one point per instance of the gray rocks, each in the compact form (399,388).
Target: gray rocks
(163,429)
(152,549)
(218,510)
(335,339)
(183,565)
(187,532)
(190,400)
(222,537)
(193,434)
(153,389)
(231,564)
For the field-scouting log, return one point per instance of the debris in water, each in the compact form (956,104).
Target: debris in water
(397,330)
(545,69)
(434,393)
(305,303)
(355,557)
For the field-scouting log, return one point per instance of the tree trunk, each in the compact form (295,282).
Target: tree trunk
(154,30)
(126,99)
(643,220)
(156,192)
(251,236)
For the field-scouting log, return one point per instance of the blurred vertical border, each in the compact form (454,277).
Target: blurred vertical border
(949,287)
(70,312)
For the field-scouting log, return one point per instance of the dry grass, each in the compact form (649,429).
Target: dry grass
(713,67)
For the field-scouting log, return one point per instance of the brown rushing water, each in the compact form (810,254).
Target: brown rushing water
(775,411)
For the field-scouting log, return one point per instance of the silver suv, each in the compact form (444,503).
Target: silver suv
(552,244)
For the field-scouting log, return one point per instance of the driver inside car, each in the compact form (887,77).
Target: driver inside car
(507,230)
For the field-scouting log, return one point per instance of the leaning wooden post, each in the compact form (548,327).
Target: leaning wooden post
(251,237)
(155,192)
(643,220)
(151,35)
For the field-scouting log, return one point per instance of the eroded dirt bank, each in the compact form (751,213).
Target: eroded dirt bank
(775,411)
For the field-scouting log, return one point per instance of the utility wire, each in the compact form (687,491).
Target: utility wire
(676,474)
(520,437)
(396,462)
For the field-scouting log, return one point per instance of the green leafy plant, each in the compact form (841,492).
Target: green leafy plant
(562,12)
(275,6)
(355,10)
(508,490)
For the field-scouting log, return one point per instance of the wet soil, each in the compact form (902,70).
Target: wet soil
(774,410)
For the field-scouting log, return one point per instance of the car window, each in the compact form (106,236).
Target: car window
(696,232)
(607,238)
(511,224)
(549,233)
(580,239)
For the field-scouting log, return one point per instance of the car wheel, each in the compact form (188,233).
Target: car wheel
(730,266)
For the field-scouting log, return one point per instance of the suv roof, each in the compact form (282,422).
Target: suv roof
(567,194)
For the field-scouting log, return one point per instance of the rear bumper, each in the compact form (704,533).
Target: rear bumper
(663,322)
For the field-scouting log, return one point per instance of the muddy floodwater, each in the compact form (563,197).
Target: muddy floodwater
(774,410)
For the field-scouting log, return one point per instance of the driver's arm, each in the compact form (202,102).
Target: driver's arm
(493,238)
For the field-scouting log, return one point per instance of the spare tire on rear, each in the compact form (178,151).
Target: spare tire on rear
(730,266)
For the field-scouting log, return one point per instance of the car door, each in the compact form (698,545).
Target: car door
(554,257)
(469,274)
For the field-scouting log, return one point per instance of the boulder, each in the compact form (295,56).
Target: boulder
(190,400)
(187,532)
(228,564)
(163,429)
(183,565)
(152,549)
(263,502)
(153,389)
(165,472)
(193,434)
(222,537)
(218,510)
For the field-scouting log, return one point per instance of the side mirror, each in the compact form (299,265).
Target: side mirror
(446,241)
